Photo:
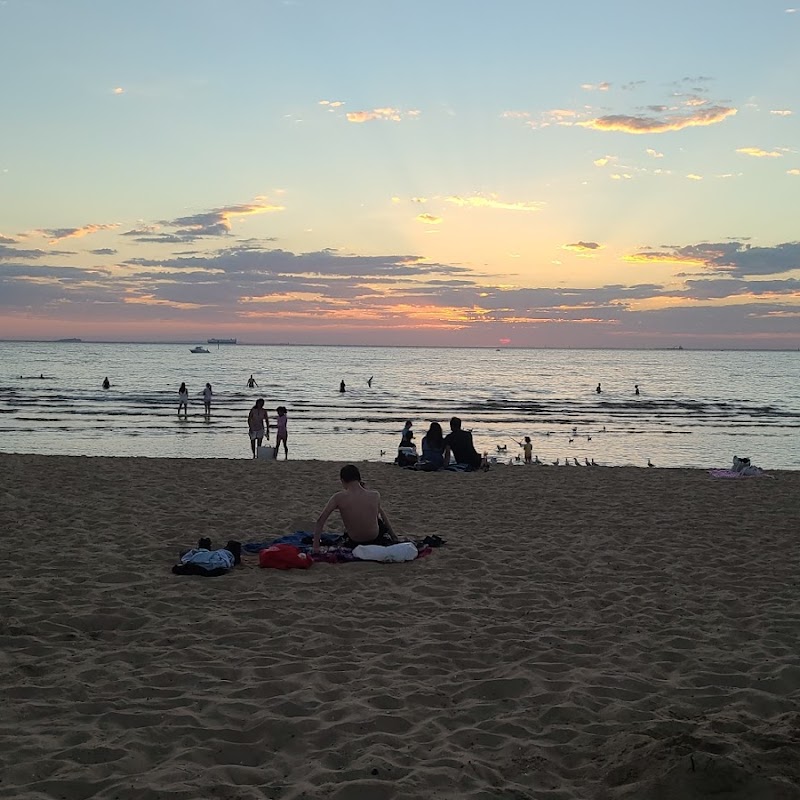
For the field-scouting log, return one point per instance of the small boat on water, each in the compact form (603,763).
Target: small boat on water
(199,349)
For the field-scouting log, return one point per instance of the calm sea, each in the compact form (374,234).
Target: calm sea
(695,408)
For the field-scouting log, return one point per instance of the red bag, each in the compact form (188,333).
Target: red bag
(284,556)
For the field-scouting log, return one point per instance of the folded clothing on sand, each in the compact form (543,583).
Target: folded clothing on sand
(402,551)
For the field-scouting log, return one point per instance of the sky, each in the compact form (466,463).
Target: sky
(394,172)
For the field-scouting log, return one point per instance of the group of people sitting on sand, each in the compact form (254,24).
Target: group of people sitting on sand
(454,451)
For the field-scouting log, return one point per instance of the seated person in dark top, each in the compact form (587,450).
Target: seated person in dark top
(459,443)
(432,449)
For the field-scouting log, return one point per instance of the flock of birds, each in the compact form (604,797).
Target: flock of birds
(569,461)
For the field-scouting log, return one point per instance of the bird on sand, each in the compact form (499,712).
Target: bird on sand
(555,463)
(650,463)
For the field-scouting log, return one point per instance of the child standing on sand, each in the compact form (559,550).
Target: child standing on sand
(281,434)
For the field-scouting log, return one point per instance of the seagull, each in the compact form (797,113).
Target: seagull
(555,463)
(574,428)
(501,448)
(586,462)
(577,463)
(536,460)
(383,452)
(571,441)
(588,438)
(604,428)
(593,464)
(650,463)
(566,462)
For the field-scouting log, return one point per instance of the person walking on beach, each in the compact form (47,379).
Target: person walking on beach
(281,434)
(342,387)
(251,383)
(183,400)
(207,395)
(258,424)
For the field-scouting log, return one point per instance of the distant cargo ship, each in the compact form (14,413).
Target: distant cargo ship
(70,340)
(222,341)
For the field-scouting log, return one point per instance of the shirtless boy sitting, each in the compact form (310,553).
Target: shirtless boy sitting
(365,522)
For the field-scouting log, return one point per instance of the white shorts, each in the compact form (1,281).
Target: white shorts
(259,434)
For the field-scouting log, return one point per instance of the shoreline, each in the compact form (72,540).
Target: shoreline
(609,633)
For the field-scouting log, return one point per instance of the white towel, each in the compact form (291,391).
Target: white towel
(403,551)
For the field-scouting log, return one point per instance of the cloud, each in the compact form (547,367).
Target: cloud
(582,246)
(429,219)
(104,251)
(217,222)
(492,201)
(119,90)
(7,253)
(58,234)
(331,103)
(654,153)
(390,114)
(675,122)
(7,240)
(734,258)
(781,112)
(604,86)
(604,160)
(694,177)
(757,152)
(793,171)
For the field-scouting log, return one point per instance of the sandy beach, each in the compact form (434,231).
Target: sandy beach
(585,633)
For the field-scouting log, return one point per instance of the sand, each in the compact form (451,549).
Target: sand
(586,633)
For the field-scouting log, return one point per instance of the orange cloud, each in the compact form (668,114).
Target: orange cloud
(582,247)
(634,124)
(757,152)
(429,219)
(58,234)
(392,114)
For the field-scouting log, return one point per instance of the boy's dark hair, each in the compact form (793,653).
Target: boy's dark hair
(349,473)
(455,424)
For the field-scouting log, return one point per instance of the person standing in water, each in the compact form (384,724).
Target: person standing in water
(106,383)
(598,389)
(636,387)
(281,434)
(251,384)
(183,400)
(342,387)
(369,381)
(207,395)
(258,424)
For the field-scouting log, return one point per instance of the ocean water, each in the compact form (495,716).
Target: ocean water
(696,408)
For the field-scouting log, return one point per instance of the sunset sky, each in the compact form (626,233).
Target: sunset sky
(460,172)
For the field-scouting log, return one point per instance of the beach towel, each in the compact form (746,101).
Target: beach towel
(732,473)
(301,539)
(403,551)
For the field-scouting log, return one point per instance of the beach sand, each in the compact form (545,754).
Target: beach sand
(585,633)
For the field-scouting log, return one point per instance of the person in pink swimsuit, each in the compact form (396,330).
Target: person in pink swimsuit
(280,431)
